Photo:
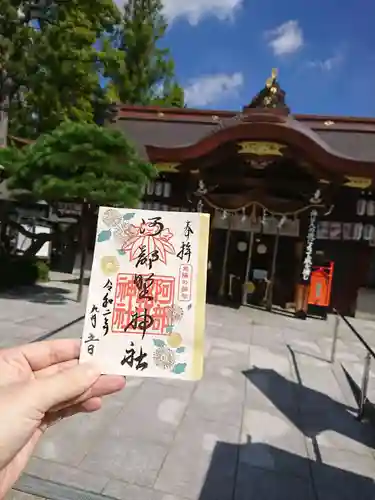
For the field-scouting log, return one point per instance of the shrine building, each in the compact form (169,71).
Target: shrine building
(290,197)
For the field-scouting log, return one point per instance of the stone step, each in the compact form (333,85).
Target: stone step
(33,488)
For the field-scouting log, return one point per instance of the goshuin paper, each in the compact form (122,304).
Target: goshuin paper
(145,312)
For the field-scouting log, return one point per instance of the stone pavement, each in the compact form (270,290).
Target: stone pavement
(270,420)
(41,311)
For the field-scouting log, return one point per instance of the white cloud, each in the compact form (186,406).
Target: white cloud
(286,38)
(209,89)
(326,64)
(195,10)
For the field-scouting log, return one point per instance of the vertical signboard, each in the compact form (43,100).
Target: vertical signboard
(309,247)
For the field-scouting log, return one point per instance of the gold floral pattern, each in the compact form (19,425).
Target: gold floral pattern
(174,340)
(109,265)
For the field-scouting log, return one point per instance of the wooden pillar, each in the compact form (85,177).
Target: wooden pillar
(225,259)
(248,266)
(83,248)
(301,301)
(210,275)
(269,298)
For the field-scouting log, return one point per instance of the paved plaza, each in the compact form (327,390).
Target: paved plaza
(271,419)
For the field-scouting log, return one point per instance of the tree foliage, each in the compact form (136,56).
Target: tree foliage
(18,47)
(141,71)
(52,61)
(79,162)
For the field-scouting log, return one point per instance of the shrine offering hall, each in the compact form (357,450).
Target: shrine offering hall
(290,197)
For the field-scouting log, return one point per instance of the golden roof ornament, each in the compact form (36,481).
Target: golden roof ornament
(270,81)
(271,95)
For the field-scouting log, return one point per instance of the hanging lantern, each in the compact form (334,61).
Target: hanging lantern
(158,188)
(368,232)
(224,215)
(167,189)
(357,231)
(370,208)
(361,207)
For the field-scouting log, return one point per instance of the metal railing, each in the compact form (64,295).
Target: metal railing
(367,362)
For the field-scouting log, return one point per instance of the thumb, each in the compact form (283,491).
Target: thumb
(64,386)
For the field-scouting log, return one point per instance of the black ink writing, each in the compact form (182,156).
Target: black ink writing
(106,301)
(185,251)
(93,317)
(140,321)
(153,222)
(185,248)
(188,231)
(105,326)
(108,286)
(132,358)
(143,284)
(91,339)
(145,259)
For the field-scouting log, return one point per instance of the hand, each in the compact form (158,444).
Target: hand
(40,384)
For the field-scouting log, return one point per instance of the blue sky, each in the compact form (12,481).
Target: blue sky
(324,50)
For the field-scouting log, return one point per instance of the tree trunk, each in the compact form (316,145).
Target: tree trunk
(83,249)
(38,240)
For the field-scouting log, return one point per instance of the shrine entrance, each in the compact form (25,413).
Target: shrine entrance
(272,269)
(248,266)
(263,176)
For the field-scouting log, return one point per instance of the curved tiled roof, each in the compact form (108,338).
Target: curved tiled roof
(169,128)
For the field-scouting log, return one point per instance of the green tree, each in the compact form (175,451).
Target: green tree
(53,62)
(17,45)
(140,71)
(78,162)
